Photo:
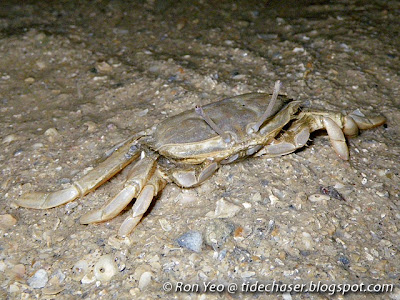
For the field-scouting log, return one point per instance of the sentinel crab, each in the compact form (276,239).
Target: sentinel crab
(188,148)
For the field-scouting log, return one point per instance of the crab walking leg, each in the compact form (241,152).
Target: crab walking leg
(104,171)
(137,178)
(363,122)
(336,136)
(142,203)
(338,126)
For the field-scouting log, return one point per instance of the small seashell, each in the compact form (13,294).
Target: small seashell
(318,198)
(79,270)
(145,280)
(192,240)
(39,279)
(105,268)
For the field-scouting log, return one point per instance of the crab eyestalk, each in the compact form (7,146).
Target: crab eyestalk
(199,110)
(268,111)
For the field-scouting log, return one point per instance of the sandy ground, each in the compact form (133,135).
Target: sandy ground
(78,77)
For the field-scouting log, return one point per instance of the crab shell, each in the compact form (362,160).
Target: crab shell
(188,138)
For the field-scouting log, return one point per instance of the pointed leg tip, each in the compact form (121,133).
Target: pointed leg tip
(92,217)
(128,225)
(32,200)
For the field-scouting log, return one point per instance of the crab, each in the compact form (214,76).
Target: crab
(188,148)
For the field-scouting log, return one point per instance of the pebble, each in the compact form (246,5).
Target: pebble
(36,146)
(103,67)
(7,221)
(165,225)
(39,279)
(256,197)
(192,240)
(105,268)
(13,289)
(70,206)
(41,65)
(286,296)
(330,191)
(274,199)
(51,134)
(384,194)
(395,295)
(307,240)
(18,271)
(247,274)
(145,280)
(144,112)
(298,49)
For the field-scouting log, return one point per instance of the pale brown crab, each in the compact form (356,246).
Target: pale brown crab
(188,148)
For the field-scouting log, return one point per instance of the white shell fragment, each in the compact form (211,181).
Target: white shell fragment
(105,268)
(39,279)
(192,240)
(224,209)
(79,270)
